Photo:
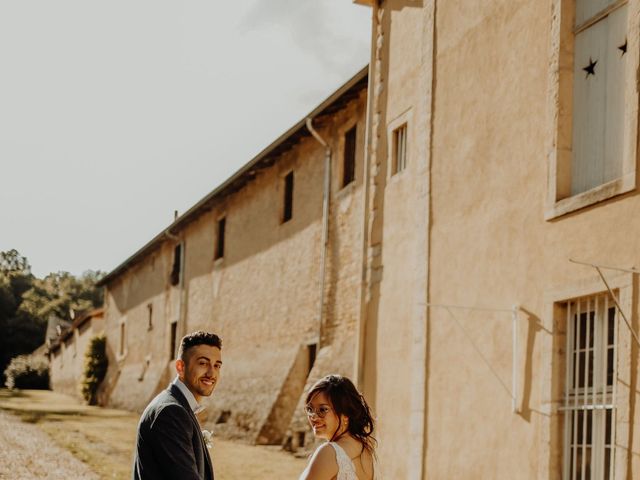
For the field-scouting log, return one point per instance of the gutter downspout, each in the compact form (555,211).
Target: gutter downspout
(325,223)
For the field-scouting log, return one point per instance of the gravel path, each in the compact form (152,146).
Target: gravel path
(26,452)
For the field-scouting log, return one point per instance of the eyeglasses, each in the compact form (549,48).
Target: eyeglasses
(320,412)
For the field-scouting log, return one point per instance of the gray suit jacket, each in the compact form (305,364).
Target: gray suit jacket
(170,443)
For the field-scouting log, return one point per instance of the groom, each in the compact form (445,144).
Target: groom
(170,444)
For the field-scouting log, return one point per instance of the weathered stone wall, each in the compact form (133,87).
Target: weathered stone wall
(262,297)
(67,360)
(143,369)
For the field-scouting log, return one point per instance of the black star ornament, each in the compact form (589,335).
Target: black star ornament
(591,68)
(623,47)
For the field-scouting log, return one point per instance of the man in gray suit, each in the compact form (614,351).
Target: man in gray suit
(170,444)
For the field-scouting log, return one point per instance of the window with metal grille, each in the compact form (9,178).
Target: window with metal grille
(287,211)
(598,95)
(349,164)
(590,393)
(399,159)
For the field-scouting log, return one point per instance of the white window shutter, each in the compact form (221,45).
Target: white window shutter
(614,96)
(588,108)
(598,103)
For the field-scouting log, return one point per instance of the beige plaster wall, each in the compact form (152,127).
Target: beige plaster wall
(489,245)
(392,371)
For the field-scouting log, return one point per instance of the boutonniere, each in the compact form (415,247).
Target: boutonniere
(208,438)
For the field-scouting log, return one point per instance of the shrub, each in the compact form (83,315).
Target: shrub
(28,371)
(95,368)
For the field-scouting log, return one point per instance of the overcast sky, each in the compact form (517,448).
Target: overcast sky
(113,114)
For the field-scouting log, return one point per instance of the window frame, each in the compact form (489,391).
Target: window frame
(399,148)
(559,200)
(553,368)
(584,401)
(403,120)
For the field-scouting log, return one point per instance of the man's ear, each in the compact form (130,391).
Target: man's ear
(180,367)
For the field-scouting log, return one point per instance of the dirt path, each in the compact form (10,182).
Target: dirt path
(52,436)
(26,452)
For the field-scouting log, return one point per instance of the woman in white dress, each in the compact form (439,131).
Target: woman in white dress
(339,414)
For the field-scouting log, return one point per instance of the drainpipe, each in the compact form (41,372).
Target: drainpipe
(325,223)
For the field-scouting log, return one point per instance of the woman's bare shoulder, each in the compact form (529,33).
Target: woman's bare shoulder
(323,464)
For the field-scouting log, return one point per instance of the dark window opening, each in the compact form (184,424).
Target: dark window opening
(349,166)
(220,244)
(172,346)
(177,259)
(301,436)
(224,416)
(312,349)
(287,213)
(122,338)
(149,316)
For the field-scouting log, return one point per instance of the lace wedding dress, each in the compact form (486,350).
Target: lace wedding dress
(346,469)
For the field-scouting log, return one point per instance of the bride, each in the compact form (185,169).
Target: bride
(339,414)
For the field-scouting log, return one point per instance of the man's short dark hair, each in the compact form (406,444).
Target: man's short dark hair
(198,338)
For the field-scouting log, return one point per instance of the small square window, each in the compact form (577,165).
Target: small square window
(399,149)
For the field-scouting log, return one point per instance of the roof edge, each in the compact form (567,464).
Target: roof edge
(245,170)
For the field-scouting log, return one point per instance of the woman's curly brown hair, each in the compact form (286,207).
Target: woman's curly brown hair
(348,401)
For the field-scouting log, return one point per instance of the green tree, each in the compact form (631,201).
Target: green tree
(26,302)
(18,332)
(95,368)
(60,293)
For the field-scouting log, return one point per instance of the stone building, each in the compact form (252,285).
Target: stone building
(271,260)
(67,352)
(498,334)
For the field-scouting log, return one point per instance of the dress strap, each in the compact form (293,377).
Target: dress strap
(346,469)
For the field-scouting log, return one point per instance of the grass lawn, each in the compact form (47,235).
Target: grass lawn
(104,438)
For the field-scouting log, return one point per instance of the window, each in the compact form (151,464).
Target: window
(399,149)
(220,238)
(312,351)
(123,339)
(349,158)
(149,316)
(589,393)
(172,343)
(598,94)
(176,271)
(594,110)
(287,211)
